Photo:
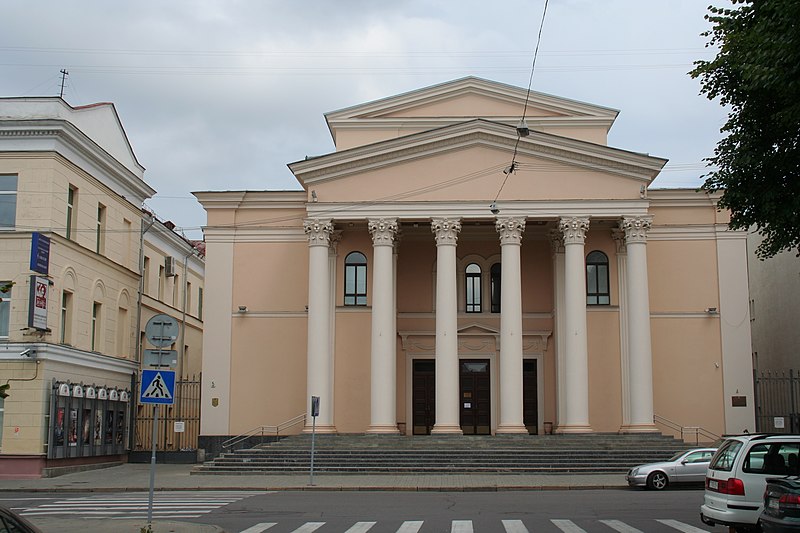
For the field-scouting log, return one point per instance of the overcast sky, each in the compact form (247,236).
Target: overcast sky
(221,95)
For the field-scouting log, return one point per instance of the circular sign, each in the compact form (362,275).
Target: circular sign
(161,330)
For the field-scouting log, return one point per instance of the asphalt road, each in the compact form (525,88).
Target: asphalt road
(570,511)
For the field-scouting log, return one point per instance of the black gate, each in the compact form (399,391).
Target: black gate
(777,401)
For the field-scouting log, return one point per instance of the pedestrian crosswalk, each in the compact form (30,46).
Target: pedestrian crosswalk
(166,505)
(509,526)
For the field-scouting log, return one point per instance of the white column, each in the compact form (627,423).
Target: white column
(557,245)
(640,353)
(511,419)
(320,354)
(448,416)
(383,400)
(622,288)
(576,380)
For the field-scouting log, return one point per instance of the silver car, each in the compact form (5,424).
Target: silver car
(685,467)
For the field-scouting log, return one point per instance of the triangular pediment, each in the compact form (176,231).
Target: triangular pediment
(477,329)
(466,162)
(464,99)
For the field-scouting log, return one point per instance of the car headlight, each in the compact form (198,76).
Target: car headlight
(634,471)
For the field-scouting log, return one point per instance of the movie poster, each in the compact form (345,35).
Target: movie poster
(59,430)
(120,426)
(98,427)
(72,436)
(109,427)
(87,426)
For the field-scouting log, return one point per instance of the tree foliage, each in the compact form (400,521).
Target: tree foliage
(756,74)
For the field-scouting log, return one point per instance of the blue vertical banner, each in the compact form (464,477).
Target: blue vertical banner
(40,253)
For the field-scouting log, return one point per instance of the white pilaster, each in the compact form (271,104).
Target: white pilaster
(511,419)
(383,408)
(576,380)
(557,244)
(448,419)
(320,355)
(640,353)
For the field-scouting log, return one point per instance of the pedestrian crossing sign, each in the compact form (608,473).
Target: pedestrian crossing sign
(158,386)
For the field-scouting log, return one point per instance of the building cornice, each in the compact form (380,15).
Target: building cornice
(251,199)
(474,133)
(60,136)
(61,353)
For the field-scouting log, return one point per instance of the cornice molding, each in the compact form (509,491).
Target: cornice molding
(217,234)
(476,133)
(54,135)
(251,199)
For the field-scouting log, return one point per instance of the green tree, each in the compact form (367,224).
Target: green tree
(756,74)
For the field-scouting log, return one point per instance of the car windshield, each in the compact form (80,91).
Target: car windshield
(723,459)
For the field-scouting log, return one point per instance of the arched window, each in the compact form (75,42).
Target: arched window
(495,284)
(355,279)
(473,292)
(597,291)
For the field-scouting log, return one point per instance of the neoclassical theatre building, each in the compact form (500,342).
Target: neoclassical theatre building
(441,272)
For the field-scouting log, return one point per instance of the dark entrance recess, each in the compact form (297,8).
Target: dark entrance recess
(476,416)
(424,396)
(530,399)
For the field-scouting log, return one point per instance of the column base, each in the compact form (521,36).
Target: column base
(511,429)
(573,429)
(442,429)
(383,429)
(639,428)
(329,430)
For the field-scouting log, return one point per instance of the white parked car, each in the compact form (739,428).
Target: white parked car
(737,477)
(684,467)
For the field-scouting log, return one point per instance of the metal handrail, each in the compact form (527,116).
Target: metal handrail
(686,431)
(264,431)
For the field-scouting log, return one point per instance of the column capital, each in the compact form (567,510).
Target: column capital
(383,231)
(510,229)
(556,241)
(446,230)
(574,229)
(619,240)
(336,238)
(636,228)
(318,231)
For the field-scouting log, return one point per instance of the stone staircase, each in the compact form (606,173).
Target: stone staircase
(388,454)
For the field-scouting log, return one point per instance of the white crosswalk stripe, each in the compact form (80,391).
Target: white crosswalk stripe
(622,527)
(680,526)
(410,527)
(466,526)
(514,526)
(360,527)
(461,526)
(259,528)
(135,505)
(308,527)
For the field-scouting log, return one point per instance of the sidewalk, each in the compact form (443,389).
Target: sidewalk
(136,478)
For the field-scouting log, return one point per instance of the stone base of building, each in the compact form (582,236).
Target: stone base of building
(639,428)
(574,429)
(383,429)
(39,466)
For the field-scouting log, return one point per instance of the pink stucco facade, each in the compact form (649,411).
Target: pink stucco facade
(409,187)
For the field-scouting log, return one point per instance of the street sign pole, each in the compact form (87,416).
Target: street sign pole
(152,469)
(314,414)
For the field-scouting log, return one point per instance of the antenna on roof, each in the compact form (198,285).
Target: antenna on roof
(64,75)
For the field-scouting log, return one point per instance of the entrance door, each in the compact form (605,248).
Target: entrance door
(476,418)
(530,396)
(423,396)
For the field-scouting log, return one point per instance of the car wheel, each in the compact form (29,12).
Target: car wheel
(657,481)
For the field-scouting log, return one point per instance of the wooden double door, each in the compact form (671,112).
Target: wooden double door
(474,393)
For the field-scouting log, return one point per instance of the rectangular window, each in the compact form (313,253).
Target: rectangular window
(200,303)
(72,211)
(127,241)
(101,229)
(8,201)
(122,332)
(176,287)
(5,307)
(95,326)
(146,275)
(188,307)
(161,280)
(66,317)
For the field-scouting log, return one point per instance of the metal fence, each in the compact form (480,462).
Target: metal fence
(777,401)
(186,409)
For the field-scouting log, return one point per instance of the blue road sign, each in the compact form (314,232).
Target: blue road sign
(158,386)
